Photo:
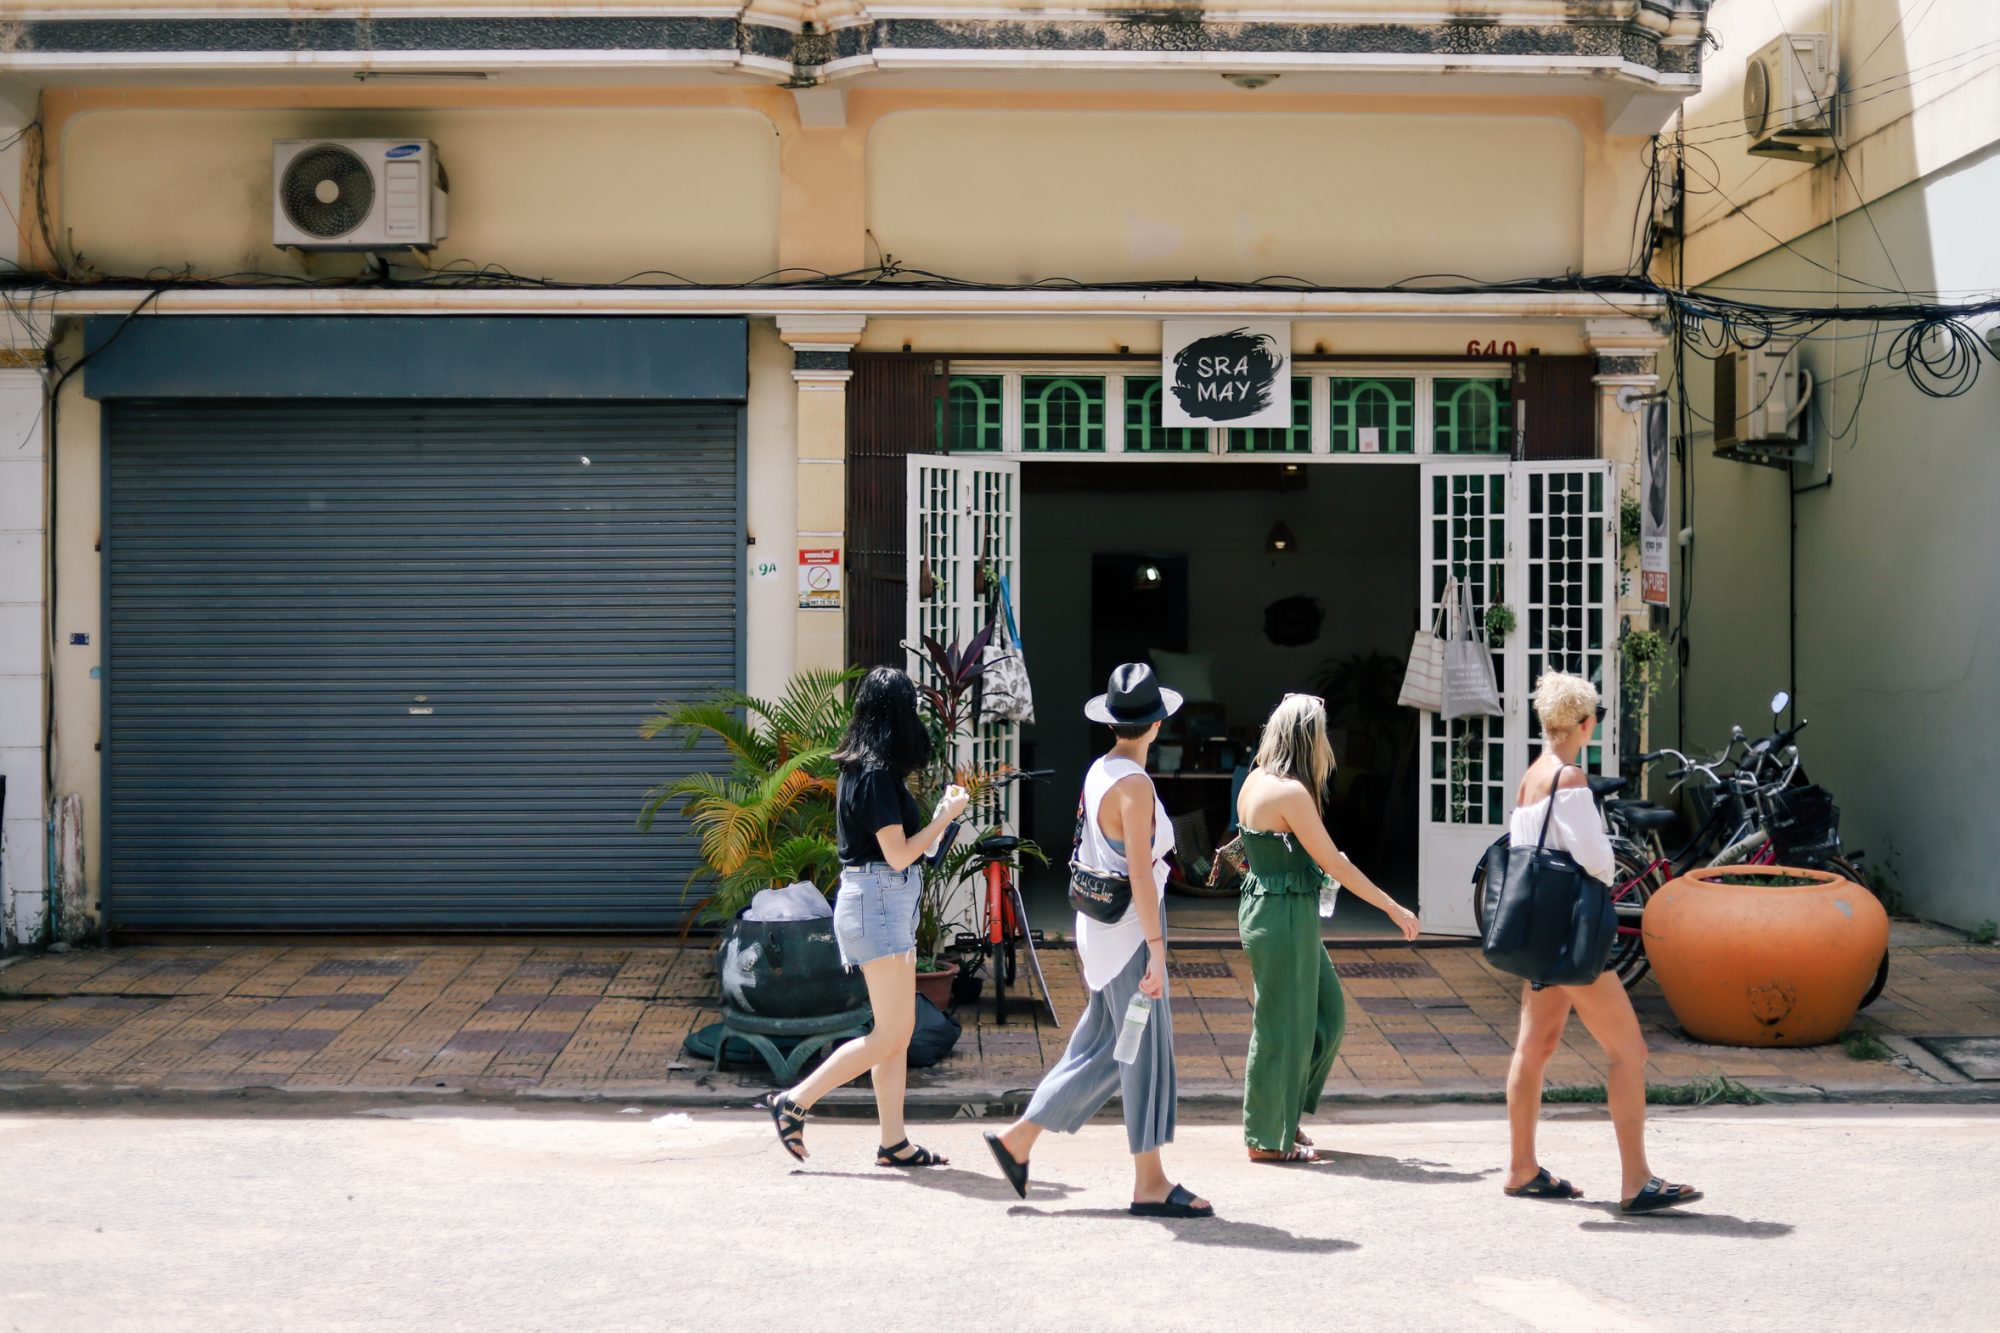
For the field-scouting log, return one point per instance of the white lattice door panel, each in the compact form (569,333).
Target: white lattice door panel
(1568,588)
(1464,796)
(963,537)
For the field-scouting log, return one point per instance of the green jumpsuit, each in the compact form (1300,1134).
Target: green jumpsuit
(1301,1014)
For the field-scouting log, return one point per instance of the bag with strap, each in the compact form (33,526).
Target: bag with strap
(1099,896)
(1547,919)
(1423,679)
(1469,687)
(1005,693)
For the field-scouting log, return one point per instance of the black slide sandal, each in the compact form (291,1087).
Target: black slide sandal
(790,1119)
(1659,1194)
(918,1156)
(1543,1186)
(1179,1203)
(1016,1172)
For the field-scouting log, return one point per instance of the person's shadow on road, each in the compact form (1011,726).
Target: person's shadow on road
(1683,1223)
(1218,1231)
(1395,1170)
(950,1179)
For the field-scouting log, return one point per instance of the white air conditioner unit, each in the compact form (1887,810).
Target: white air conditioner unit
(1761,396)
(1789,92)
(357,194)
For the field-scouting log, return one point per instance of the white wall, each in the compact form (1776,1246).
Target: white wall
(1358,546)
(23,653)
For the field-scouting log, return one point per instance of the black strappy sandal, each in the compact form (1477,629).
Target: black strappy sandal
(1543,1186)
(918,1156)
(1178,1203)
(1011,1167)
(790,1118)
(1659,1194)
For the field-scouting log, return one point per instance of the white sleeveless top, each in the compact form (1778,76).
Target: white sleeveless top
(1576,829)
(1103,948)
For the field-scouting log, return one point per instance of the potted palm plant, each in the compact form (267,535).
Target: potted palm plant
(765,821)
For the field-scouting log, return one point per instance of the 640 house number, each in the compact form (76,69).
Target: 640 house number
(1491,348)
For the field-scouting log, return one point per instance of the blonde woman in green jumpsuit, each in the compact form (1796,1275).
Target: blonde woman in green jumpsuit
(1300,1013)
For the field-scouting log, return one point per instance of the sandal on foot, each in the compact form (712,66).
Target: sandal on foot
(1543,1186)
(1015,1170)
(1304,1154)
(1299,1139)
(891,1156)
(1178,1203)
(790,1119)
(1659,1194)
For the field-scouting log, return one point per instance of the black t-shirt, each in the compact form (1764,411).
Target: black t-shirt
(867,801)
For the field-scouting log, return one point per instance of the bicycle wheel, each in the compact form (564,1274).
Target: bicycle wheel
(1634,882)
(1840,865)
(1013,958)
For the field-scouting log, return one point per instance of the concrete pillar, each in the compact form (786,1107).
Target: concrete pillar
(24,640)
(1627,352)
(822,349)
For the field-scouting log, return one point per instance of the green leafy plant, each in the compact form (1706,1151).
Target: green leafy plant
(1711,1089)
(1861,1043)
(1647,658)
(1360,692)
(1985,932)
(768,818)
(1631,519)
(1499,622)
(934,924)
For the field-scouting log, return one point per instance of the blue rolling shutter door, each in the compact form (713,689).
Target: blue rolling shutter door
(381,665)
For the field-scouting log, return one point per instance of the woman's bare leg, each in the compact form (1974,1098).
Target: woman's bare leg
(892,994)
(1543,1015)
(1606,1010)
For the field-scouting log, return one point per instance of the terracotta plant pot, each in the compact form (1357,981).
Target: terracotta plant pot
(936,986)
(1749,964)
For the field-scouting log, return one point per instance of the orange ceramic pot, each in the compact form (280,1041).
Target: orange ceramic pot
(1749,964)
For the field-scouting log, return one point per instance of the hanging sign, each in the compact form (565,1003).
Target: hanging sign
(819,578)
(1226,373)
(1655,558)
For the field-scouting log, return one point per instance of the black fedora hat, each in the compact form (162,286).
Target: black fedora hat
(1134,698)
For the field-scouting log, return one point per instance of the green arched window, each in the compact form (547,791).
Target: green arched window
(972,414)
(1143,432)
(1389,407)
(1293,439)
(1062,414)
(1472,416)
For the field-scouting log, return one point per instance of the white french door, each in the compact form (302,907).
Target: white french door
(1541,539)
(963,537)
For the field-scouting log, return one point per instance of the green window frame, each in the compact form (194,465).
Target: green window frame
(973,414)
(1389,405)
(1293,439)
(1062,414)
(1472,416)
(1143,432)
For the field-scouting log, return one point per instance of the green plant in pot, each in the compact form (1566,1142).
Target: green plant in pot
(764,821)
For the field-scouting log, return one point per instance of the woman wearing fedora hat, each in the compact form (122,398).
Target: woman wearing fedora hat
(1120,959)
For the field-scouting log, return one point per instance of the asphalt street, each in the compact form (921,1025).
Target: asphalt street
(561,1217)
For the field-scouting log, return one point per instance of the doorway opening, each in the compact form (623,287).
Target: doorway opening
(1240,583)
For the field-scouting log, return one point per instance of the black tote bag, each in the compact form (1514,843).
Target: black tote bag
(1547,920)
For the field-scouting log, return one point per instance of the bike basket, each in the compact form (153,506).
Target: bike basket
(1805,822)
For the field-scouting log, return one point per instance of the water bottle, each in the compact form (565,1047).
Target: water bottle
(1133,1031)
(1329,895)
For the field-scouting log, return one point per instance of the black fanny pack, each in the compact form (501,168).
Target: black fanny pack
(1099,896)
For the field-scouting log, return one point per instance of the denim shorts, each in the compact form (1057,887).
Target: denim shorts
(875,913)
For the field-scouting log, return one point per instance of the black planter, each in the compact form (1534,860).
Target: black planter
(786,969)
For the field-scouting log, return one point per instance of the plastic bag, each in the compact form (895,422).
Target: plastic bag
(795,902)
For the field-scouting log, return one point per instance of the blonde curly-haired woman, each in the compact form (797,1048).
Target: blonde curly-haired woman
(1555,791)
(1301,1014)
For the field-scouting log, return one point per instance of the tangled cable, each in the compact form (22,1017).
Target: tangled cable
(1940,354)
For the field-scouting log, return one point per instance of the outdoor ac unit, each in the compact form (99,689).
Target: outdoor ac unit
(357,194)
(1789,93)
(1760,400)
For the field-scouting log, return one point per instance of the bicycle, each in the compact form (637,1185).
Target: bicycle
(1003,930)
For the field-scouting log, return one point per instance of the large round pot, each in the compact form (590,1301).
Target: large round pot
(936,986)
(1764,964)
(786,969)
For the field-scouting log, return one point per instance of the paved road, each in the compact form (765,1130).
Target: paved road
(561,1218)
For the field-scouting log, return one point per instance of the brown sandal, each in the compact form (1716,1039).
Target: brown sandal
(1305,1155)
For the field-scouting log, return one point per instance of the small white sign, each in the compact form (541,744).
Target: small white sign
(819,578)
(1655,556)
(1226,373)
(1368,439)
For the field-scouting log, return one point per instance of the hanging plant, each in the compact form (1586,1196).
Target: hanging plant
(1499,622)
(1631,521)
(1646,658)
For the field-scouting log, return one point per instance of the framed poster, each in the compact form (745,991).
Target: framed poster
(1226,373)
(1655,555)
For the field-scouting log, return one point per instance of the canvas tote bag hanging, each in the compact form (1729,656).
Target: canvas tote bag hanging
(1007,696)
(1423,679)
(1469,688)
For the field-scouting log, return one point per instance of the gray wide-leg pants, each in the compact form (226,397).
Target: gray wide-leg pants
(1086,1076)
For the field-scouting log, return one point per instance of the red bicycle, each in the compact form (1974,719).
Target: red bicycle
(1003,931)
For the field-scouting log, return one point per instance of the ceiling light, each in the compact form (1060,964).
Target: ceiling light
(1147,578)
(1280,540)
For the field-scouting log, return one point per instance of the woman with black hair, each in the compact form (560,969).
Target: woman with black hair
(881,836)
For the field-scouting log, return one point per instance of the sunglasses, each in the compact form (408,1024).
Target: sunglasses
(1600,712)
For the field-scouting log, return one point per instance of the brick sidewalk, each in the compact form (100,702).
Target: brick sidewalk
(577,1021)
